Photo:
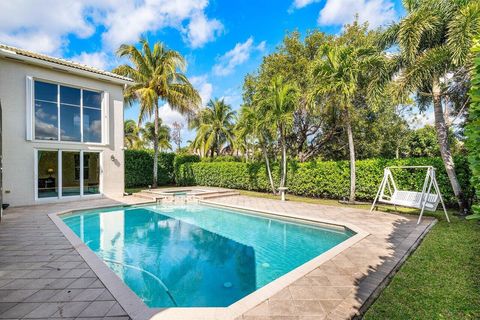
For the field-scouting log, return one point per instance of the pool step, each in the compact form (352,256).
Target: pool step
(154,195)
(218,194)
(146,195)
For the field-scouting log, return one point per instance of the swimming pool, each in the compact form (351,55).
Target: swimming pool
(197,255)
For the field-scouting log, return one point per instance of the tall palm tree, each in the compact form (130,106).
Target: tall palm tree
(339,73)
(252,125)
(131,134)
(277,107)
(214,126)
(434,40)
(158,75)
(163,135)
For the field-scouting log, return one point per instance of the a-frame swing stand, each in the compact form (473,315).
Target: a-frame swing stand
(425,200)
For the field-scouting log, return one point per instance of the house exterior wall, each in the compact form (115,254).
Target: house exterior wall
(19,153)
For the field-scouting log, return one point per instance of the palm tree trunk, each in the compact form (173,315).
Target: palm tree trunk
(155,147)
(284,161)
(351,148)
(442,137)
(269,171)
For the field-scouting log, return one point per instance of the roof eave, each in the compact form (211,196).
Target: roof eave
(64,68)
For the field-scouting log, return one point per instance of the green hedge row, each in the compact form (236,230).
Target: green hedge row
(473,126)
(139,168)
(326,179)
(181,159)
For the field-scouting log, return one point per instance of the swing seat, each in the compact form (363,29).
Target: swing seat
(413,199)
(389,194)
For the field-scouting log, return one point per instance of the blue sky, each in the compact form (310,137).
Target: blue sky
(222,40)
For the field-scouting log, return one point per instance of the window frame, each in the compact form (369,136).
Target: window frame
(103,96)
(60,195)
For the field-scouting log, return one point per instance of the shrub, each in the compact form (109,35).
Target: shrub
(222,159)
(139,168)
(178,161)
(473,127)
(326,179)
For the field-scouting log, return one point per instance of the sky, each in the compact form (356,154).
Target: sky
(222,40)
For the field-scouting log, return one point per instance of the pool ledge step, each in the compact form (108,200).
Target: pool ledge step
(152,195)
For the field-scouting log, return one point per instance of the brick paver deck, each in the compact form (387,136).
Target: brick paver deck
(42,276)
(345,286)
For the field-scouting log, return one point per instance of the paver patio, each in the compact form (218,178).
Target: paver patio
(43,276)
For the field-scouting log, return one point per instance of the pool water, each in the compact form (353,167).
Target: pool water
(179,193)
(196,255)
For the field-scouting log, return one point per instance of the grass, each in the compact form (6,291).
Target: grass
(134,190)
(332,202)
(441,280)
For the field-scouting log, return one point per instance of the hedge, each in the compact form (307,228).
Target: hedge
(222,159)
(326,179)
(472,130)
(139,168)
(181,159)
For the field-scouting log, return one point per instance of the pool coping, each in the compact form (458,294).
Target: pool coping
(138,310)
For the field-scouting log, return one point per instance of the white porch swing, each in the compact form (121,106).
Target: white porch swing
(424,200)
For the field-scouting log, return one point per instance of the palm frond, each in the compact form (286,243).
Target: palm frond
(462,29)
(413,29)
(429,65)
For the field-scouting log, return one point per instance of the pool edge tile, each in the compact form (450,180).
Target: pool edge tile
(138,310)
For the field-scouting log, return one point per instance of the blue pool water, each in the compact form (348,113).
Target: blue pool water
(197,255)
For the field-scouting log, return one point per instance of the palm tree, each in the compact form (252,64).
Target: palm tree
(277,107)
(251,125)
(339,74)
(434,40)
(131,137)
(214,126)
(157,73)
(163,135)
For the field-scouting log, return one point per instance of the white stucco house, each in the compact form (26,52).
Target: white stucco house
(62,129)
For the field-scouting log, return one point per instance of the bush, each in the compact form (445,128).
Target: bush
(326,179)
(178,161)
(139,168)
(473,127)
(222,159)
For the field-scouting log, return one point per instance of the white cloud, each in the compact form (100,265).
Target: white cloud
(98,60)
(170,116)
(200,30)
(45,26)
(42,25)
(235,57)
(340,12)
(127,21)
(298,4)
(204,87)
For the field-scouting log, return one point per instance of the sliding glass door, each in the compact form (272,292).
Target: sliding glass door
(64,173)
(70,173)
(47,174)
(91,173)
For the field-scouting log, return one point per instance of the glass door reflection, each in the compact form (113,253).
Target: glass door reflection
(47,174)
(71,173)
(91,173)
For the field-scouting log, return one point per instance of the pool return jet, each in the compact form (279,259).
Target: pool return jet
(388,192)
